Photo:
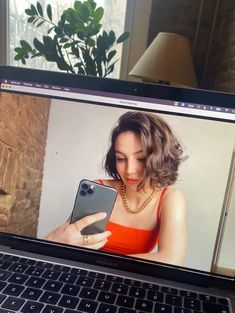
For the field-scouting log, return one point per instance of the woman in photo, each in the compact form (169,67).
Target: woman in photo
(148,220)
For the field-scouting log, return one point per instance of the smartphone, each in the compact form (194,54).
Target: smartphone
(93,198)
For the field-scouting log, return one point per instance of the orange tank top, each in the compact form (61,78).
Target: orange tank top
(127,240)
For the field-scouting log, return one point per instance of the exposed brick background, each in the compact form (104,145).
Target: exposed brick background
(181,17)
(23,133)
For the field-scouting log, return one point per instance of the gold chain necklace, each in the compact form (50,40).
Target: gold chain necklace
(142,206)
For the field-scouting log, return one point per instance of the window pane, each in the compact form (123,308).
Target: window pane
(114,19)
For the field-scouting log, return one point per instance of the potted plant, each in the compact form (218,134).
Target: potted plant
(76,43)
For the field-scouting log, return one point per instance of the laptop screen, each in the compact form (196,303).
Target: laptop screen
(55,130)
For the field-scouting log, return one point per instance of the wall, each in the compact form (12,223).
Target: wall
(212,47)
(23,132)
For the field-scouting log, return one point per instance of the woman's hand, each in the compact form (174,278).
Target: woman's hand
(71,233)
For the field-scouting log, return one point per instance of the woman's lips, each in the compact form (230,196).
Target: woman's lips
(132,181)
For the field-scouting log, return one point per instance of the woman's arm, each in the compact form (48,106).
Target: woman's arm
(172,244)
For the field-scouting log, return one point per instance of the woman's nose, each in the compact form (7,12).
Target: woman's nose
(131,167)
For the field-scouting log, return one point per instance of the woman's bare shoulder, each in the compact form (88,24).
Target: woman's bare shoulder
(174,196)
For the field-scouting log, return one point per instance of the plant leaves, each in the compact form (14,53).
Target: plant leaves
(49,12)
(25,45)
(39,8)
(31,19)
(98,14)
(111,55)
(38,45)
(123,37)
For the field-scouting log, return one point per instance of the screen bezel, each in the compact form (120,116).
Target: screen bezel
(132,89)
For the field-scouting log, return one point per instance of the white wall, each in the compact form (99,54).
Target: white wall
(78,138)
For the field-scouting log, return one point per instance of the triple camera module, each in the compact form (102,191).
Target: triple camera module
(87,189)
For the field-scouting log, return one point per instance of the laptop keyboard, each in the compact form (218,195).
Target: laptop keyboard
(31,286)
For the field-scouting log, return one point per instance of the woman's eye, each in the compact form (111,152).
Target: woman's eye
(121,159)
(142,160)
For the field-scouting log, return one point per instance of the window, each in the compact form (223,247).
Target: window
(114,19)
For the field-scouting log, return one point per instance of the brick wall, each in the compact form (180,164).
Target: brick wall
(23,133)
(181,17)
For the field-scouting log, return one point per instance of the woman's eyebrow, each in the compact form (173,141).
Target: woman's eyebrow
(120,152)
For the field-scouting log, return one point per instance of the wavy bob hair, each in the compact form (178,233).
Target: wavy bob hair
(162,150)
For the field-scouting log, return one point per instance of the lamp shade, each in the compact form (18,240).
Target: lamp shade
(168,59)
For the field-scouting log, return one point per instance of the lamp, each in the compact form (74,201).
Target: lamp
(167,60)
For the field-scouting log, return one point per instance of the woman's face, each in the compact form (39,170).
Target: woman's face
(130,159)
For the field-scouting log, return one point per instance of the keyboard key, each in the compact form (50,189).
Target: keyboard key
(173,300)
(4,275)
(12,303)
(52,285)
(137,292)
(32,307)
(151,286)
(85,281)
(2,285)
(61,268)
(10,257)
(192,304)
(159,307)
(35,282)
(214,308)
(144,305)
(50,297)
(107,308)
(51,309)
(88,293)
(31,294)
(79,271)
(223,301)
(27,261)
(68,278)
(207,298)
(5,264)
(18,278)
(132,282)
(107,297)
(44,264)
(155,296)
(87,306)
(71,290)
(2,297)
(13,290)
(125,301)
(34,271)
(96,275)
(50,274)
(188,294)
(68,302)
(102,285)
(115,279)
(119,288)
(18,268)
(172,291)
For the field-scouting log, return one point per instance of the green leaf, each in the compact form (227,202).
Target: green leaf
(29,12)
(25,45)
(49,12)
(112,37)
(38,45)
(33,10)
(98,14)
(17,57)
(111,55)
(31,19)
(39,8)
(123,37)
(67,45)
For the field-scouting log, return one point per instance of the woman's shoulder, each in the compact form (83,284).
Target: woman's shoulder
(173,196)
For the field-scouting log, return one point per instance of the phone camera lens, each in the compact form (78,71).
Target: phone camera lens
(85,186)
(82,192)
(91,190)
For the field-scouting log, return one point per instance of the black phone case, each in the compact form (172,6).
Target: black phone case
(92,198)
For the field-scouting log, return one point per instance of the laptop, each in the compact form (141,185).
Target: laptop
(54,132)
